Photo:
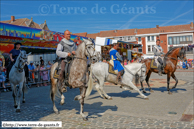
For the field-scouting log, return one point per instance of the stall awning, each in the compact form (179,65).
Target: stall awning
(134,45)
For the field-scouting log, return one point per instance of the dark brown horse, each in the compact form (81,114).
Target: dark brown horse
(170,60)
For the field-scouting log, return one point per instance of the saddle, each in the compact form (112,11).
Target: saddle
(67,71)
(154,63)
(111,69)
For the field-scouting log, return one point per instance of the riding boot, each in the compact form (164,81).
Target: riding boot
(119,79)
(61,75)
(160,70)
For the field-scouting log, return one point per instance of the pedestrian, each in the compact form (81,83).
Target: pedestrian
(31,70)
(49,69)
(43,74)
(184,65)
(36,74)
(125,62)
(2,78)
(41,61)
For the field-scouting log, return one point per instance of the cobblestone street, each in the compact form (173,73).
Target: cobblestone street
(126,110)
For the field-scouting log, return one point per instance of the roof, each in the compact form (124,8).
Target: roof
(93,36)
(22,22)
(128,32)
(81,34)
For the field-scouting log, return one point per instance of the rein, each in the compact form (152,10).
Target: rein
(131,72)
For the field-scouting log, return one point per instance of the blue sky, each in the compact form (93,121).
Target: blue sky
(96,16)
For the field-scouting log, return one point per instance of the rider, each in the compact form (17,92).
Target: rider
(14,53)
(65,49)
(116,57)
(158,53)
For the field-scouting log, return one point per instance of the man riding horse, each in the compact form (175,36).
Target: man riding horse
(65,49)
(158,54)
(116,58)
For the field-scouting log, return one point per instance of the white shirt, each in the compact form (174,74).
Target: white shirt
(60,52)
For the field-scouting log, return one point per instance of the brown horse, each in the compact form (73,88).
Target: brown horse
(170,62)
(77,75)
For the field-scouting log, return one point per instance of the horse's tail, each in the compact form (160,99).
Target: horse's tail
(136,79)
(90,83)
(53,88)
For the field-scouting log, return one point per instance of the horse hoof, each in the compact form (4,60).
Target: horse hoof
(144,92)
(15,106)
(85,118)
(170,93)
(57,112)
(146,98)
(78,97)
(23,101)
(110,98)
(61,103)
(151,91)
(18,110)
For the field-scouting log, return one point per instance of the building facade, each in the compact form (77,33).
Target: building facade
(170,36)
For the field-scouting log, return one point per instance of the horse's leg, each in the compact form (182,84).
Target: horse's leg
(62,98)
(83,92)
(147,81)
(136,89)
(143,88)
(174,77)
(168,82)
(97,86)
(53,91)
(101,82)
(18,96)
(24,85)
(14,93)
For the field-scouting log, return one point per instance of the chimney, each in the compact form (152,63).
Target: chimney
(191,25)
(157,26)
(12,18)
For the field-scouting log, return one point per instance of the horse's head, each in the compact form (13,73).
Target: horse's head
(89,48)
(22,59)
(182,54)
(96,57)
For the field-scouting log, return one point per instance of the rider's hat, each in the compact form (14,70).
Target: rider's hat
(16,44)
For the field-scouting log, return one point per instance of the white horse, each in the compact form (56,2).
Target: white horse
(17,76)
(100,71)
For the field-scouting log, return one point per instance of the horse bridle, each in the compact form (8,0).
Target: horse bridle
(87,52)
(19,68)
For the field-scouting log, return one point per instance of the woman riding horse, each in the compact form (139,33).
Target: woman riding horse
(170,62)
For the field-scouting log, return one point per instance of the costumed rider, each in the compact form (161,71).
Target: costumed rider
(158,53)
(116,58)
(65,49)
(14,53)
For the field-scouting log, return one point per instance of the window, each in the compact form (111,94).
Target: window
(184,38)
(187,38)
(149,48)
(129,38)
(170,40)
(121,38)
(139,39)
(181,38)
(152,38)
(148,38)
(174,40)
(177,39)
(190,38)
(140,49)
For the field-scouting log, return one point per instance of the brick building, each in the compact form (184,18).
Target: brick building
(170,36)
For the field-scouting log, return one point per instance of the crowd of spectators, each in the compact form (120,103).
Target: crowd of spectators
(187,64)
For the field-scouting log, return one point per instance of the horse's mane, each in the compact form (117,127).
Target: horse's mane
(170,51)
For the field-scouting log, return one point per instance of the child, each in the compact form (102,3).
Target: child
(44,74)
